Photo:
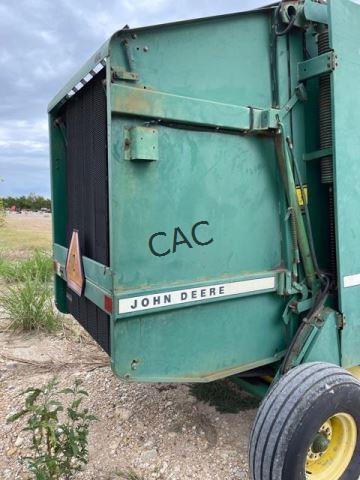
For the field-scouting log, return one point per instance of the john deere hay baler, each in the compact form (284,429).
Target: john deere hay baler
(206,198)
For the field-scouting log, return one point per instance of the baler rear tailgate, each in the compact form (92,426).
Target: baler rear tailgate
(197,229)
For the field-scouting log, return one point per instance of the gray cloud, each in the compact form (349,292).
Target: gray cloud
(43,44)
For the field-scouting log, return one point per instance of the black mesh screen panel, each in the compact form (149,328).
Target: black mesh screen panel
(87,186)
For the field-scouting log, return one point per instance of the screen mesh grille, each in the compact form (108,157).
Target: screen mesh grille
(87,193)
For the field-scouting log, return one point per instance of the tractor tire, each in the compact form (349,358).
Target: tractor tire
(308,427)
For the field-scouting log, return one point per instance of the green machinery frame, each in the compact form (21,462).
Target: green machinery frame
(289,312)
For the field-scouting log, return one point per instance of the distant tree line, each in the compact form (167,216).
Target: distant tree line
(30,202)
(2,213)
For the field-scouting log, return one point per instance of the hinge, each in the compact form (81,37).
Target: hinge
(340,321)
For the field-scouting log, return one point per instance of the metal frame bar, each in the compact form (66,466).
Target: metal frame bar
(146,103)
(325,63)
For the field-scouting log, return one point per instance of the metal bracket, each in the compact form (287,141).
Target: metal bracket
(325,152)
(119,73)
(289,310)
(299,94)
(141,144)
(325,63)
(315,11)
(265,119)
(306,11)
(306,339)
(287,287)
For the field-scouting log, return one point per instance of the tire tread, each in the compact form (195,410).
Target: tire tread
(285,403)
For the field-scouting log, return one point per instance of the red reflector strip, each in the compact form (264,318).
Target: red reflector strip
(108,304)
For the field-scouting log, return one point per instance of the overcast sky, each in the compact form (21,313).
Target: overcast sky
(43,43)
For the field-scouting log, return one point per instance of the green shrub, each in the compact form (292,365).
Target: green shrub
(59,433)
(38,266)
(29,306)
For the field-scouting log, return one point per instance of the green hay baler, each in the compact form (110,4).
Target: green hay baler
(205,185)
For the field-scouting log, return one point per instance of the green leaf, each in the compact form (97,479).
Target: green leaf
(16,416)
(76,403)
(32,397)
(83,392)
(67,391)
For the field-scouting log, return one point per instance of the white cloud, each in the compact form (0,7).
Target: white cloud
(4,56)
(22,134)
(144,5)
(42,44)
(49,37)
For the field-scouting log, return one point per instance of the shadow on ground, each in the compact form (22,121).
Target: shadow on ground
(224,396)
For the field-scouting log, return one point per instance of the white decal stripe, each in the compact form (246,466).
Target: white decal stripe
(352,280)
(175,297)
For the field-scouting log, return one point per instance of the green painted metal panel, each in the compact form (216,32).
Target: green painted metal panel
(229,182)
(345,38)
(225,181)
(201,343)
(207,217)
(211,59)
(327,345)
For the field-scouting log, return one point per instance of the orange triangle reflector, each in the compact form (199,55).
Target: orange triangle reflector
(74,267)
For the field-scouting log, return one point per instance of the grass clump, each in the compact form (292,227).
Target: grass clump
(37,266)
(26,297)
(129,475)
(29,307)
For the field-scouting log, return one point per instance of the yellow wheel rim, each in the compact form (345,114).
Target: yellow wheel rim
(332,449)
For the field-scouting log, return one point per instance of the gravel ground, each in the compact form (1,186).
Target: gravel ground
(168,432)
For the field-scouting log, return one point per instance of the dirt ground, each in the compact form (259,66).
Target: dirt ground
(167,432)
(170,432)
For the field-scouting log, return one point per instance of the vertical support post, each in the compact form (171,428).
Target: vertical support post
(58,196)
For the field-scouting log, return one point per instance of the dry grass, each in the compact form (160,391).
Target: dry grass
(129,475)
(25,232)
(88,363)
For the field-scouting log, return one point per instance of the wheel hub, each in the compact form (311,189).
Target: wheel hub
(320,443)
(331,451)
